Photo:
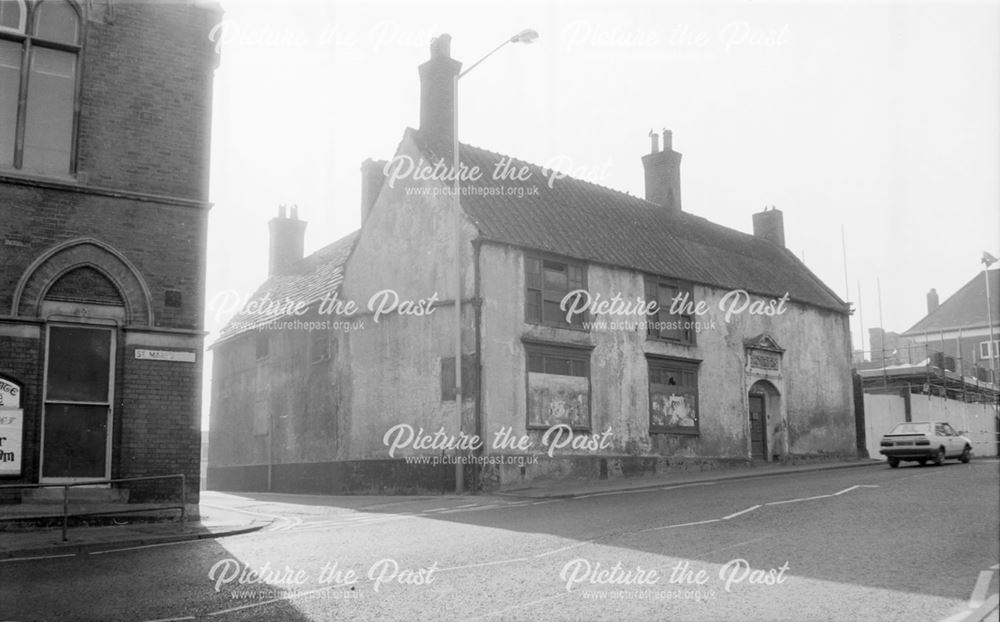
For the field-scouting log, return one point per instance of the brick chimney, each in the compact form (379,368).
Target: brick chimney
(437,96)
(372,178)
(663,173)
(932,301)
(288,235)
(770,225)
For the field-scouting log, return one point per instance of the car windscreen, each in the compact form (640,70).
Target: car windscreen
(911,428)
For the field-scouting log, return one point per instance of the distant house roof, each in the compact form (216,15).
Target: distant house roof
(308,281)
(966,308)
(583,220)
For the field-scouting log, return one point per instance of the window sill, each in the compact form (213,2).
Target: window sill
(672,342)
(538,427)
(674,431)
(42,178)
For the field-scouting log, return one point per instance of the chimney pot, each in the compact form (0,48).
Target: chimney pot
(654,142)
(441,46)
(281,211)
(668,140)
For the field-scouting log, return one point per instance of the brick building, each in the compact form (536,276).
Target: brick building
(956,333)
(105,111)
(346,349)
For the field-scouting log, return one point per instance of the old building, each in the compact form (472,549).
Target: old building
(104,153)
(601,334)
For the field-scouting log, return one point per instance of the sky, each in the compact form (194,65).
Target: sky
(873,127)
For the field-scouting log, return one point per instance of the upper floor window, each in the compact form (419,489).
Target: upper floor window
(673,320)
(39,68)
(547,282)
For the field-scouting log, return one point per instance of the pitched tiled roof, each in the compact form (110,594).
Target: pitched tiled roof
(965,308)
(307,281)
(587,221)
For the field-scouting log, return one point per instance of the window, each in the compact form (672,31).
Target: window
(984,349)
(558,385)
(677,327)
(39,66)
(547,281)
(673,396)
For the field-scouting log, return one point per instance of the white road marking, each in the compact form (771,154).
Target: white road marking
(565,548)
(497,562)
(979,591)
(701,522)
(28,559)
(144,546)
(799,499)
(629,492)
(978,602)
(750,509)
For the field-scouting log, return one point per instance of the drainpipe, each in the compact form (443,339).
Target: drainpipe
(477,305)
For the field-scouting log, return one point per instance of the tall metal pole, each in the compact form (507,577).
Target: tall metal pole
(525,36)
(457,206)
(992,349)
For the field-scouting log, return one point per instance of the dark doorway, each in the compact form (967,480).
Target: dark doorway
(758,427)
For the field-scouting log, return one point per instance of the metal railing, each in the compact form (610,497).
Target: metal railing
(65,502)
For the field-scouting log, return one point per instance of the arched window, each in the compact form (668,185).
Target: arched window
(39,66)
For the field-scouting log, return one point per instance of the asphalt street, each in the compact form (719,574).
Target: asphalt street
(872,543)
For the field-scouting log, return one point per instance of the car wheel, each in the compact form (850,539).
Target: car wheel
(922,461)
(939,456)
(966,455)
(893,463)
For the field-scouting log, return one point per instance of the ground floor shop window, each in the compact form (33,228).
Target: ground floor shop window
(558,386)
(673,396)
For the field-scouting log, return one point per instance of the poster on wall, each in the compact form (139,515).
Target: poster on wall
(556,399)
(11,427)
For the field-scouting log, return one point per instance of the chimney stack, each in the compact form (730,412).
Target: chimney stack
(437,96)
(372,179)
(932,301)
(770,225)
(663,173)
(287,241)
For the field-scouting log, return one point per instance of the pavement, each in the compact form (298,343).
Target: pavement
(48,542)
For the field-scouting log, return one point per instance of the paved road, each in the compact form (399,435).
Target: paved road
(854,544)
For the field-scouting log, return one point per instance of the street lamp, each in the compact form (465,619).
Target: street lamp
(525,36)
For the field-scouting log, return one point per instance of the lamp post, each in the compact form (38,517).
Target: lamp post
(525,36)
(988,260)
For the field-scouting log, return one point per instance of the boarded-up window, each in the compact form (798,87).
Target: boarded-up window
(558,386)
(673,396)
(470,377)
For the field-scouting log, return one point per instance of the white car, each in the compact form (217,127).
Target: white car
(921,442)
